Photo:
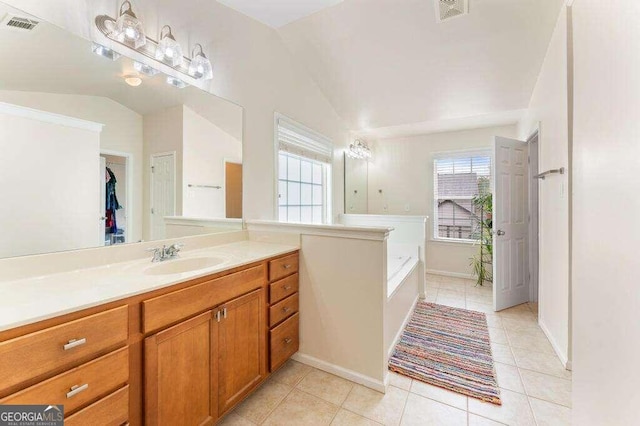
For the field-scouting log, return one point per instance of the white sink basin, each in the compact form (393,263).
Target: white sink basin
(180,266)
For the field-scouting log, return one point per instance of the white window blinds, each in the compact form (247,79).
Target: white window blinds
(299,140)
(458,178)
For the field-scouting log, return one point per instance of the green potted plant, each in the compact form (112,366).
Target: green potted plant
(482,263)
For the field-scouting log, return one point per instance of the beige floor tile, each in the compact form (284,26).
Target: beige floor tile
(421,411)
(455,286)
(439,394)
(548,414)
(509,377)
(498,335)
(540,362)
(480,307)
(486,299)
(514,411)
(453,302)
(400,381)
(476,420)
(519,324)
(458,293)
(493,320)
(232,419)
(300,408)
(291,373)
(530,339)
(383,408)
(347,418)
(548,388)
(433,277)
(259,404)
(326,386)
(431,297)
(502,353)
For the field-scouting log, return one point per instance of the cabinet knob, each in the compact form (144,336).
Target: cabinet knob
(77,389)
(73,343)
(287,266)
(287,287)
(287,341)
(286,309)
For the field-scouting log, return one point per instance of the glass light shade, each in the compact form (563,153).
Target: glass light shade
(200,67)
(128,28)
(176,82)
(169,50)
(145,69)
(359,150)
(99,49)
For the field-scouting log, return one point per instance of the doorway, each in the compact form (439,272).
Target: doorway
(233,189)
(116,197)
(534,225)
(163,192)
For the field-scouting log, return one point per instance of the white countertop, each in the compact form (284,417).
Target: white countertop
(30,300)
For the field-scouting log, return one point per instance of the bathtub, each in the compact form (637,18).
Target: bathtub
(401,261)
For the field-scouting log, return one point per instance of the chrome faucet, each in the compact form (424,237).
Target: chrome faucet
(163,253)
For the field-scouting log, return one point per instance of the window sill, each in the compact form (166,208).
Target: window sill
(455,242)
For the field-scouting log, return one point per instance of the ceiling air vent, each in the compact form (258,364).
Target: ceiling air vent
(447,9)
(18,23)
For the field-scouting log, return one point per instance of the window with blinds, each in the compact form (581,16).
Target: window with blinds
(458,179)
(304,165)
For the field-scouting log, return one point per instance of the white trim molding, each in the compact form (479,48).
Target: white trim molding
(375,233)
(345,373)
(450,274)
(562,355)
(49,117)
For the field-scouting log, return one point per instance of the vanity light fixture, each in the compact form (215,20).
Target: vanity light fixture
(168,49)
(128,29)
(145,69)
(176,82)
(101,50)
(359,150)
(200,66)
(133,80)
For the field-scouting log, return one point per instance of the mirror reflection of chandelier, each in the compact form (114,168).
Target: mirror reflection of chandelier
(359,150)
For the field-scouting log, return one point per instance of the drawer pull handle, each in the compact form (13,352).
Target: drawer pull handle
(287,266)
(73,343)
(286,309)
(77,389)
(287,287)
(224,313)
(287,341)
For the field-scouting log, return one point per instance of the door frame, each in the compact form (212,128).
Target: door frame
(534,218)
(129,182)
(152,158)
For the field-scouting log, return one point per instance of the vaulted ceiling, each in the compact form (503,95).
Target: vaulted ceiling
(386,63)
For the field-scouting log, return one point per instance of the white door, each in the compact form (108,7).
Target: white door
(163,189)
(102,203)
(510,227)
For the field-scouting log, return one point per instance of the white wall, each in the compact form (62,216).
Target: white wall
(403,169)
(606,183)
(205,149)
(162,134)
(49,179)
(122,132)
(549,107)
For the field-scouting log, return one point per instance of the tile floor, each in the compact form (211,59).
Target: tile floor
(534,387)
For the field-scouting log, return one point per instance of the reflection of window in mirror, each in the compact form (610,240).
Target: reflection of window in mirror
(304,173)
(461,181)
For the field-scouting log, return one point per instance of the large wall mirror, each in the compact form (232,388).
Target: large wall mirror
(91,158)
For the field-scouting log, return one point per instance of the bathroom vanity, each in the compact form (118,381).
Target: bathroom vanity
(184,352)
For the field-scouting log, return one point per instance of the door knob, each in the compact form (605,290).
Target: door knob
(500,232)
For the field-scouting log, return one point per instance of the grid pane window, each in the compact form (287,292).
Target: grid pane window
(458,180)
(302,189)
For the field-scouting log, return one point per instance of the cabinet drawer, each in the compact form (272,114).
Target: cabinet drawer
(173,307)
(282,267)
(283,288)
(34,354)
(112,410)
(283,309)
(284,340)
(92,379)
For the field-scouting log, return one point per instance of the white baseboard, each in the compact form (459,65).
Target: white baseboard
(561,354)
(370,382)
(404,324)
(450,274)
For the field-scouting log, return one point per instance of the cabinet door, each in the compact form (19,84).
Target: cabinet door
(242,347)
(180,389)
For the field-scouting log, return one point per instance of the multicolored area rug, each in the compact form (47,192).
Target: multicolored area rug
(450,348)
